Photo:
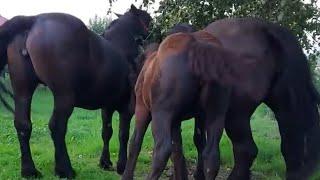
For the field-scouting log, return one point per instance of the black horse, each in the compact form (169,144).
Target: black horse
(81,69)
(282,80)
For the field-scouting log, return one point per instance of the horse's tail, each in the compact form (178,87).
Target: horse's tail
(8,31)
(296,79)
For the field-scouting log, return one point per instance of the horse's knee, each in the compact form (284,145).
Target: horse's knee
(252,151)
(56,129)
(107,132)
(248,150)
(198,137)
(23,125)
(23,128)
(52,126)
(163,148)
(124,135)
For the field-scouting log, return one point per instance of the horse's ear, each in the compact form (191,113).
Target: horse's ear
(134,9)
(118,15)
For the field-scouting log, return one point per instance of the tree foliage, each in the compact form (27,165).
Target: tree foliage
(301,16)
(98,24)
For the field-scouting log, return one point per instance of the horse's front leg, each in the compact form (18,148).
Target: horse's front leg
(124,130)
(63,107)
(105,161)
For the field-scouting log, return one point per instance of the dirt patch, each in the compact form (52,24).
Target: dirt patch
(223,174)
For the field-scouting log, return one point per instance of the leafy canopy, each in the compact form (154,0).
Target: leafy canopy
(98,24)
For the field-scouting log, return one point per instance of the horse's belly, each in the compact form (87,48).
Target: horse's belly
(108,94)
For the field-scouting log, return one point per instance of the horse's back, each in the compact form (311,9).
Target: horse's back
(242,35)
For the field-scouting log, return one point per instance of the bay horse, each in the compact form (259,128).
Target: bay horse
(81,68)
(263,63)
(199,136)
(169,91)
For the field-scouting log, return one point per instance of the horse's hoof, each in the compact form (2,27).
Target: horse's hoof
(30,173)
(198,175)
(121,165)
(106,165)
(239,176)
(69,174)
(295,176)
(127,177)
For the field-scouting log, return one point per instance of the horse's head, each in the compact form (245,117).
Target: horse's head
(135,21)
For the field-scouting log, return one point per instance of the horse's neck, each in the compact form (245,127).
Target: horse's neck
(122,39)
(125,43)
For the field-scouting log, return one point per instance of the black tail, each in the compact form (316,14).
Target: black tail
(8,31)
(305,99)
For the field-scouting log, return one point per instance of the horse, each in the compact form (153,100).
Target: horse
(169,91)
(199,136)
(263,63)
(81,68)
(284,84)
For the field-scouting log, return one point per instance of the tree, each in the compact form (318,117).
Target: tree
(302,18)
(98,24)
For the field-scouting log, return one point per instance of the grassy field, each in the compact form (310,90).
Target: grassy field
(85,144)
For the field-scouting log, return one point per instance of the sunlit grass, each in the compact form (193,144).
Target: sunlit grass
(85,144)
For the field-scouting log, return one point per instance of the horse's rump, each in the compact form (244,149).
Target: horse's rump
(210,61)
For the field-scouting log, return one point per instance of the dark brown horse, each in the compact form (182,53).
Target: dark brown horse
(283,82)
(81,69)
(261,62)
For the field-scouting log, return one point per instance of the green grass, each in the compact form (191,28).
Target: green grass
(85,144)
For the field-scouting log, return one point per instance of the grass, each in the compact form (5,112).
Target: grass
(85,144)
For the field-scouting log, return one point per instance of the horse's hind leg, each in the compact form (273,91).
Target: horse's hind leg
(199,139)
(124,129)
(161,130)
(105,162)
(238,129)
(143,118)
(180,169)
(63,107)
(24,83)
(215,106)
